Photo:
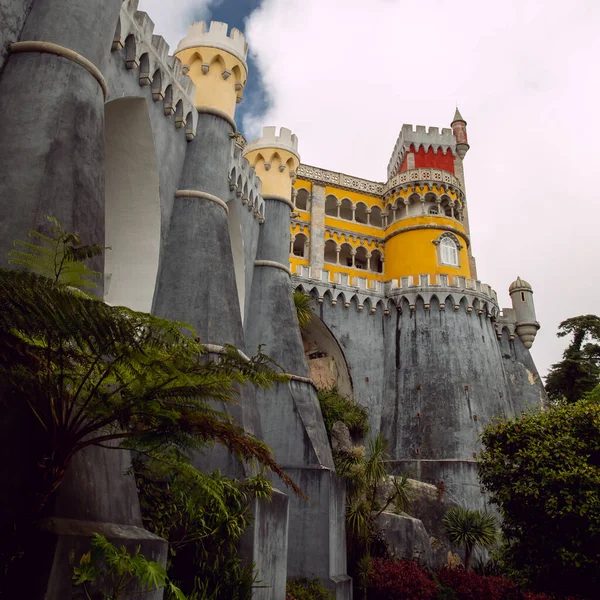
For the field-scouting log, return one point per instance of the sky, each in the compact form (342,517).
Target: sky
(345,75)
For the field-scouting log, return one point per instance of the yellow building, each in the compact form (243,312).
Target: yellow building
(349,230)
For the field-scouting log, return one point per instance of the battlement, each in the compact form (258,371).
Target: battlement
(245,184)
(215,36)
(420,137)
(141,49)
(452,292)
(286,140)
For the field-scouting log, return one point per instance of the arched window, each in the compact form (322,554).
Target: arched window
(300,245)
(376,220)
(346,255)
(360,260)
(331,206)
(375,262)
(360,215)
(346,211)
(302,199)
(330,254)
(449,252)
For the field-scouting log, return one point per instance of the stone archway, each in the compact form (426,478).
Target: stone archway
(325,357)
(132,213)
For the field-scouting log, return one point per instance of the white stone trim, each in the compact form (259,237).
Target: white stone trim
(204,196)
(211,110)
(218,349)
(272,263)
(279,199)
(50,48)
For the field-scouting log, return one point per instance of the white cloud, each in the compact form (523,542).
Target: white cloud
(345,74)
(172,19)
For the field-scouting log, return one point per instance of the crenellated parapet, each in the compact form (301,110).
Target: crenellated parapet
(149,54)
(420,137)
(275,159)
(216,61)
(451,293)
(424,179)
(245,184)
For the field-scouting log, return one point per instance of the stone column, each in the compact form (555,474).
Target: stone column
(290,413)
(317,227)
(52,95)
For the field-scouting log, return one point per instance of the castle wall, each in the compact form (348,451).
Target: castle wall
(12,16)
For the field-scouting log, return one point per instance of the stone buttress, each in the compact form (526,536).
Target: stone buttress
(52,95)
(197,276)
(290,413)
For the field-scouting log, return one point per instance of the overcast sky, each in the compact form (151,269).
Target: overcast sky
(345,75)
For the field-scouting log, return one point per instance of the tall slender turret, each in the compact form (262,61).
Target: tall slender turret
(521,295)
(290,413)
(459,129)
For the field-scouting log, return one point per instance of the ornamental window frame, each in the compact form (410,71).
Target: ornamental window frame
(446,252)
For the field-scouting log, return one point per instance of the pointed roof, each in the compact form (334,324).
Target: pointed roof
(458,117)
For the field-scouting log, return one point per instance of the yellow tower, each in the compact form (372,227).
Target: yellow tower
(275,159)
(216,63)
(425,226)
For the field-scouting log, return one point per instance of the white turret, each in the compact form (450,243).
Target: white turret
(521,295)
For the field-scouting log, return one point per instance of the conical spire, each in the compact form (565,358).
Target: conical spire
(458,116)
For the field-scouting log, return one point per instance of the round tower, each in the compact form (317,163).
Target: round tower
(275,159)
(290,414)
(521,295)
(216,63)
(459,129)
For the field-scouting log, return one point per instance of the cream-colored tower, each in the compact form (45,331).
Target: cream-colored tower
(216,63)
(275,159)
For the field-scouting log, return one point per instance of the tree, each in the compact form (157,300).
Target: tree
(470,528)
(91,374)
(579,371)
(542,471)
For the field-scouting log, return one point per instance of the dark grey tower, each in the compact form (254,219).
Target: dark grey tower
(290,413)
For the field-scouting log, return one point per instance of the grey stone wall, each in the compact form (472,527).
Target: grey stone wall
(12,17)
(317,226)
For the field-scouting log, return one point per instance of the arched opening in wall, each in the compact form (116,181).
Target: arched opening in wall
(360,215)
(375,262)
(346,209)
(445,206)
(326,360)
(376,219)
(346,255)
(330,253)
(391,214)
(132,209)
(302,199)
(360,260)
(414,206)
(300,246)
(331,206)
(431,205)
(234,224)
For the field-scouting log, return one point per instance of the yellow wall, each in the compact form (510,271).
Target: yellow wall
(274,181)
(407,253)
(211,89)
(414,253)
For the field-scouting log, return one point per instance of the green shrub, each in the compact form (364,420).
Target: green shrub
(337,407)
(308,589)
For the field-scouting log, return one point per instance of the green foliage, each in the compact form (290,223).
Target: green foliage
(203,517)
(543,472)
(369,492)
(470,528)
(109,572)
(579,371)
(308,589)
(337,407)
(303,309)
(59,257)
(92,374)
